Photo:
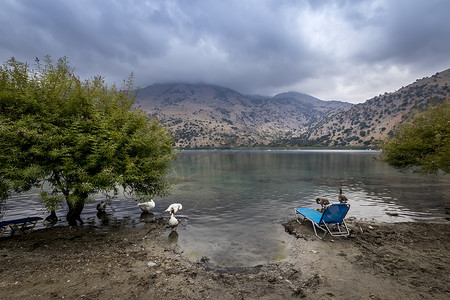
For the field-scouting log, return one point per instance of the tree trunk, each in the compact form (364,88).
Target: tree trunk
(74,213)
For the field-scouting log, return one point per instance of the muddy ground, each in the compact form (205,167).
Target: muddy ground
(378,261)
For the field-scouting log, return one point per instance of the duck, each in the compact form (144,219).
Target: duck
(174,208)
(323,202)
(173,222)
(392,214)
(51,219)
(341,197)
(101,206)
(147,206)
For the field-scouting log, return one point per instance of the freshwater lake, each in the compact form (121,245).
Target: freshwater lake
(234,202)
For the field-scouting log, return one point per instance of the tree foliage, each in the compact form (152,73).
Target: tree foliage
(76,138)
(422,142)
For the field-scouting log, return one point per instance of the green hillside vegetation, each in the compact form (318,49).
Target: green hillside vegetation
(422,142)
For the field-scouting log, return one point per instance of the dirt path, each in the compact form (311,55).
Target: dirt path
(384,261)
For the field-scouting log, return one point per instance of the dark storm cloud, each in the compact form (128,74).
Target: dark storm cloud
(347,50)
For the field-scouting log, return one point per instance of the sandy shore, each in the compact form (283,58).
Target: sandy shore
(378,261)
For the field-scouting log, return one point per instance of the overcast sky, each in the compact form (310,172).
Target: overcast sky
(345,50)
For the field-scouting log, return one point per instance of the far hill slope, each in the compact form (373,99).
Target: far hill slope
(208,116)
(373,120)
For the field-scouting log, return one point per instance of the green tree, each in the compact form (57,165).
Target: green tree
(422,142)
(76,138)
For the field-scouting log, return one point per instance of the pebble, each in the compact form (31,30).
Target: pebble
(151,264)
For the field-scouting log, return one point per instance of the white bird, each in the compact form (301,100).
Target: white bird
(101,206)
(173,222)
(174,208)
(146,206)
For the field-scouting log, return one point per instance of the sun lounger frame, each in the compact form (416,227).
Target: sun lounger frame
(333,216)
(20,225)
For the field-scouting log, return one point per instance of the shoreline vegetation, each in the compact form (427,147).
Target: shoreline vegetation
(282,148)
(378,261)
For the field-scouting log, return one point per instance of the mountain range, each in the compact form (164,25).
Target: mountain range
(202,116)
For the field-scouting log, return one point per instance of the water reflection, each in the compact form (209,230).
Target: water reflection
(236,200)
(147,217)
(103,217)
(173,237)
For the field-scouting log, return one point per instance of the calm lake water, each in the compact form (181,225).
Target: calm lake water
(235,201)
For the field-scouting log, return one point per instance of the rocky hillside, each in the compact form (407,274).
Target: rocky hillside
(369,122)
(207,116)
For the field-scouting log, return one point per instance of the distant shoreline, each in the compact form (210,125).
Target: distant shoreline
(324,149)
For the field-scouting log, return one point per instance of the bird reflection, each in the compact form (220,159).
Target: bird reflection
(103,217)
(147,217)
(173,237)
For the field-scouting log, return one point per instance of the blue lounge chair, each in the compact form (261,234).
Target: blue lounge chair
(330,221)
(24,225)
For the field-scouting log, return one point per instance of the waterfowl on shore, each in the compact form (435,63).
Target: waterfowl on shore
(341,197)
(323,202)
(392,214)
(146,206)
(101,206)
(173,222)
(51,219)
(174,208)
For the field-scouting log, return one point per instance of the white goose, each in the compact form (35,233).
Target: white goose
(146,206)
(174,208)
(173,222)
